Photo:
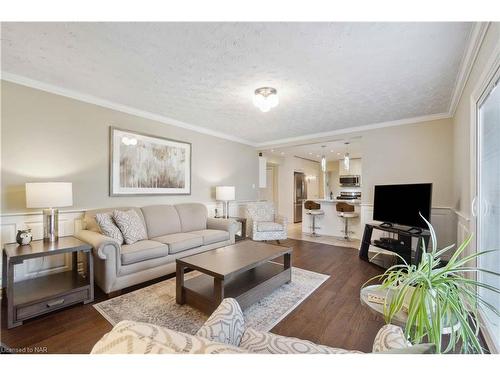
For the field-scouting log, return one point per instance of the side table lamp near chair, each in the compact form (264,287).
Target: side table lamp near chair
(49,196)
(225,194)
(46,292)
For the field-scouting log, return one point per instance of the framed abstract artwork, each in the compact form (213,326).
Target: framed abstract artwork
(142,164)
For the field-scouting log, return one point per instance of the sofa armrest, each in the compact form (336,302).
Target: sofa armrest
(389,337)
(229,225)
(226,325)
(269,343)
(255,224)
(281,220)
(102,244)
(128,337)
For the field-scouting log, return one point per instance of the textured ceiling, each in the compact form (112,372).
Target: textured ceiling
(329,76)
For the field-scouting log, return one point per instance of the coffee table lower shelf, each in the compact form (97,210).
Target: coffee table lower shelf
(247,287)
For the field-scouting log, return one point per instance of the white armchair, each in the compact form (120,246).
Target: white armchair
(264,224)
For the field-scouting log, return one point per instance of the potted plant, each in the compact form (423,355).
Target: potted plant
(440,300)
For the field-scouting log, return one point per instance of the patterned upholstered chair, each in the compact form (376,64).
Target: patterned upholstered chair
(224,332)
(263,224)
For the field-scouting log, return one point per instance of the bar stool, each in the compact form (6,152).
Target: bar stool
(346,211)
(314,210)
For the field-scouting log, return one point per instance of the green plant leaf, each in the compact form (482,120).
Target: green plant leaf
(439,297)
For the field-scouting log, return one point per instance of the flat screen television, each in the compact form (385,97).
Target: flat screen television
(401,204)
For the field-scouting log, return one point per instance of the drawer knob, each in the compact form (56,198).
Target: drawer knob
(56,303)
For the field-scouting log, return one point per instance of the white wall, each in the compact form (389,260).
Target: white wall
(46,137)
(49,137)
(420,152)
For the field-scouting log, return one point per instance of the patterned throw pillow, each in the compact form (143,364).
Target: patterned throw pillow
(108,226)
(131,226)
(389,337)
(226,324)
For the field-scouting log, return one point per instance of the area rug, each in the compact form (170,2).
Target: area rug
(156,304)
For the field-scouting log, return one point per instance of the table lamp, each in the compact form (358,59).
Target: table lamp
(225,194)
(49,196)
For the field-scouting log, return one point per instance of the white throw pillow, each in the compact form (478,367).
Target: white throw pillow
(108,226)
(131,226)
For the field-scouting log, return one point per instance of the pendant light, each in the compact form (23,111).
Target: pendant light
(347,159)
(323,160)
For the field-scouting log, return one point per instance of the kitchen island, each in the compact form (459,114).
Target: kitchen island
(330,224)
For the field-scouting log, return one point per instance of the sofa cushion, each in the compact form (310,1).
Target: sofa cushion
(269,343)
(129,337)
(180,241)
(193,216)
(269,226)
(90,223)
(212,235)
(143,250)
(161,219)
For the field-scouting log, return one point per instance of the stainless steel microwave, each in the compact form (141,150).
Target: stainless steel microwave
(350,180)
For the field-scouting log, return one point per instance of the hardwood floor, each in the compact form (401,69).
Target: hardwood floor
(332,315)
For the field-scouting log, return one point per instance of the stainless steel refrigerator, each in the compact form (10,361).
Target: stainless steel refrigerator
(300,195)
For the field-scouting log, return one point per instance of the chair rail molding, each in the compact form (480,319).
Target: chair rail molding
(70,222)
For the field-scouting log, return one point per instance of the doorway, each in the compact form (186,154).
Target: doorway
(270,192)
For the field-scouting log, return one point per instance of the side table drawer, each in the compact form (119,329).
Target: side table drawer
(27,311)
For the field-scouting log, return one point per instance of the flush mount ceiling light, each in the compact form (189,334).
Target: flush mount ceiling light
(265,98)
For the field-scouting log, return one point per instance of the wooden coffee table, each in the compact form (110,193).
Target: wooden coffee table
(243,271)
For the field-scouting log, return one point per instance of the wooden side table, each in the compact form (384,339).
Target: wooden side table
(29,298)
(243,221)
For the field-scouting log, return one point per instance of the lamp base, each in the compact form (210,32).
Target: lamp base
(50,224)
(225,209)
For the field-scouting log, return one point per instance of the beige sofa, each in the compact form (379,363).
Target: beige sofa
(174,231)
(224,332)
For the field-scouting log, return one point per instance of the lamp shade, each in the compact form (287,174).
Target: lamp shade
(49,194)
(224,193)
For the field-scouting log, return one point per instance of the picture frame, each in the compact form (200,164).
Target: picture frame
(145,164)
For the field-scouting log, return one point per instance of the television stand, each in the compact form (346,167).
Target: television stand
(402,246)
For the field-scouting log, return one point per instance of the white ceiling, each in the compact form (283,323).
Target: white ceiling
(329,76)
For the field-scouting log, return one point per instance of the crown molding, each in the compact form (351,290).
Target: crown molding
(475,41)
(241,202)
(25,81)
(316,136)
